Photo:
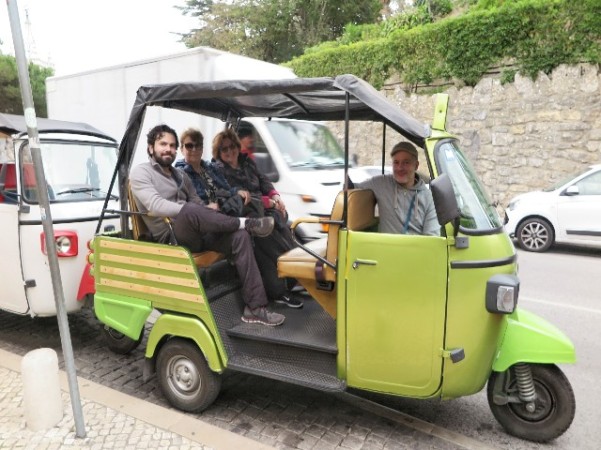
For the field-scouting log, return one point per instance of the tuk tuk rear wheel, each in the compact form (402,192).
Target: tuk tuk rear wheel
(119,343)
(185,377)
(554,411)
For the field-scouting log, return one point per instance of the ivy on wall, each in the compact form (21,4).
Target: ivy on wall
(526,35)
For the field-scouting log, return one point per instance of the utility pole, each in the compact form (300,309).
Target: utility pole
(42,190)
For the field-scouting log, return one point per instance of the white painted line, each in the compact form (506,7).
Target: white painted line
(413,422)
(561,305)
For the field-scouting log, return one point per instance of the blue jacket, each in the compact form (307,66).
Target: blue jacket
(223,187)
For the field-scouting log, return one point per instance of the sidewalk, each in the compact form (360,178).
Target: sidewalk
(112,420)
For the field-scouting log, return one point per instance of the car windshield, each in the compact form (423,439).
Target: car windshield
(75,171)
(562,181)
(306,145)
(477,211)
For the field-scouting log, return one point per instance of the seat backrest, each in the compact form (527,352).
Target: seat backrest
(139,230)
(360,215)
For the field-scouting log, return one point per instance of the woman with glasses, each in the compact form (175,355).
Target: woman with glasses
(241,172)
(210,185)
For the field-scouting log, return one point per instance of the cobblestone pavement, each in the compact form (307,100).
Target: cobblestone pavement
(105,427)
(276,414)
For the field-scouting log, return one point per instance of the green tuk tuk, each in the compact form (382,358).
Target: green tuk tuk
(414,316)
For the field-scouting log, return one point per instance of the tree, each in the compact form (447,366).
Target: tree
(10,92)
(274,30)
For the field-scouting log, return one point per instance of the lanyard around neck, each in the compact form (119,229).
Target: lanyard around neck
(408,218)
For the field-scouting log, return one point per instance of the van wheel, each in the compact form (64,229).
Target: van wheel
(185,377)
(535,235)
(118,342)
(550,415)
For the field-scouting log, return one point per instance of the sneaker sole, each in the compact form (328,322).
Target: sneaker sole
(289,305)
(268,324)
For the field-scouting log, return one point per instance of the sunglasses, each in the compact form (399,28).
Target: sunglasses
(227,148)
(191,146)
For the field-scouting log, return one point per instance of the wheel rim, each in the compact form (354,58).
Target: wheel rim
(534,235)
(183,377)
(544,405)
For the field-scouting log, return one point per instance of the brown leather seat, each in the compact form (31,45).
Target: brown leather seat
(310,272)
(140,232)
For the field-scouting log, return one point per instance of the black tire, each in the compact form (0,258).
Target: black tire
(535,235)
(119,343)
(185,377)
(555,406)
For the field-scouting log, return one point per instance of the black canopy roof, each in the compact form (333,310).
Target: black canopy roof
(11,124)
(296,98)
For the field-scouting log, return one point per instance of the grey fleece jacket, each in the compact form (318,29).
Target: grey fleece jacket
(394,202)
(161,195)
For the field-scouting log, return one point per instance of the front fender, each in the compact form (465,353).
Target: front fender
(190,328)
(529,338)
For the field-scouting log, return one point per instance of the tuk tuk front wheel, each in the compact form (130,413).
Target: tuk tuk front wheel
(554,407)
(185,377)
(119,343)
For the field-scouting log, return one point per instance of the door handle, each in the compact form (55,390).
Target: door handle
(367,262)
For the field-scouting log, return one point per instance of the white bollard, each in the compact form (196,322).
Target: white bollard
(41,389)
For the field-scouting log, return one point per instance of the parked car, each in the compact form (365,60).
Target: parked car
(568,212)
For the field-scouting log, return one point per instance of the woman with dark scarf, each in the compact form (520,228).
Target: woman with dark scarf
(217,193)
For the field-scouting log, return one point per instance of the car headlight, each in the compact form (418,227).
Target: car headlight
(513,204)
(502,294)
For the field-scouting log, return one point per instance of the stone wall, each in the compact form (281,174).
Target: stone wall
(519,136)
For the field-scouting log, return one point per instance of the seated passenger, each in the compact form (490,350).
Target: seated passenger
(404,201)
(241,173)
(165,191)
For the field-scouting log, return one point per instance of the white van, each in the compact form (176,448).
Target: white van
(78,164)
(306,164)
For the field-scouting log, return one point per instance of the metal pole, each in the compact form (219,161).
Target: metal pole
(42,190)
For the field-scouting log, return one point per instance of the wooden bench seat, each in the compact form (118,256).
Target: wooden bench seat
(140,232)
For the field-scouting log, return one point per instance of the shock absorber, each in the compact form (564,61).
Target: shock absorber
(526,390)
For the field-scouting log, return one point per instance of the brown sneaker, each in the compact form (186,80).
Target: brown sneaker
(263,316)
(259,227)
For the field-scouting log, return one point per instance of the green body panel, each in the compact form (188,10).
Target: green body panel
(125,314)
(469,325)
(129,273)
(341,329)
(529,338)
(190,328)
(395,312)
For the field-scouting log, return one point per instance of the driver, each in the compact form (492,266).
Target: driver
(404,201)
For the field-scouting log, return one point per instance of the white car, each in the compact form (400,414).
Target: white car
(569,212)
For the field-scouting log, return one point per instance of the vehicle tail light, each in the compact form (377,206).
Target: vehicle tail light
(66,242)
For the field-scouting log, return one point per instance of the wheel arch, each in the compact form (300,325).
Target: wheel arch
(189,328)
(537,216)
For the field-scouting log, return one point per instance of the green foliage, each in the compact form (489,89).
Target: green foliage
(534,35)
(274,30)
(10,92)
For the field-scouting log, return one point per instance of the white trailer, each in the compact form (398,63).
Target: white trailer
(307,180)
(104,97)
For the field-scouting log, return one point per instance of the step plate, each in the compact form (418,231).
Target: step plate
(309,327)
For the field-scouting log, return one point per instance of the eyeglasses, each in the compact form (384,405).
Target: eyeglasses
(191,146)
(227,148)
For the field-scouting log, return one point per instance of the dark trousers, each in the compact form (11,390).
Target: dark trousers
(200,228)
(267,252)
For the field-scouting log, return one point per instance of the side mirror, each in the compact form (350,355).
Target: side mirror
(267,167)
(445,201)
(572,190)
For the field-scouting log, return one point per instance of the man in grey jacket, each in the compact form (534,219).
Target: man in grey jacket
(404,201)
(165,191)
